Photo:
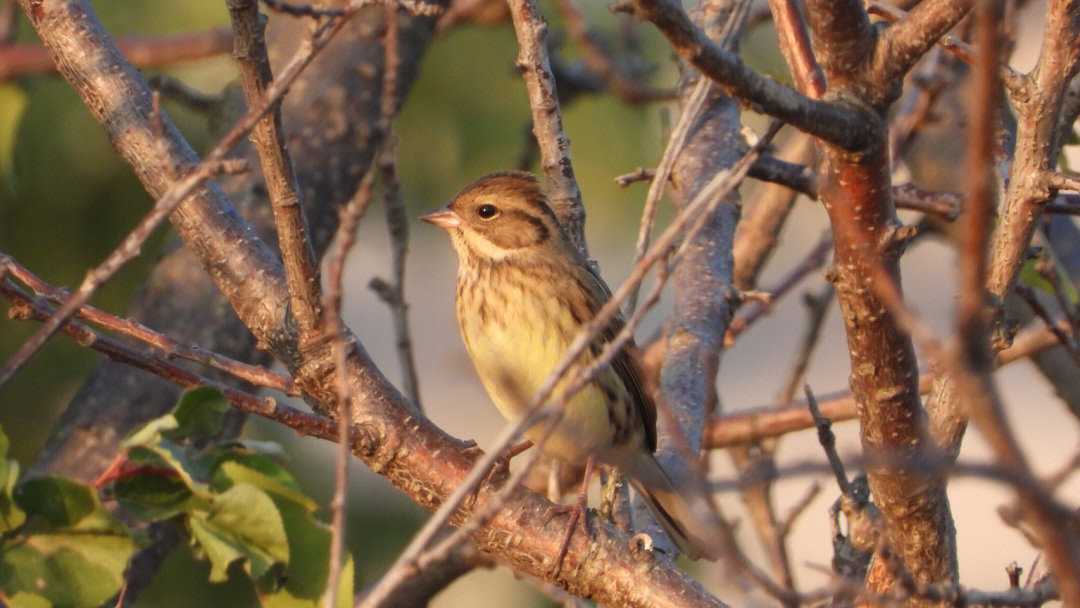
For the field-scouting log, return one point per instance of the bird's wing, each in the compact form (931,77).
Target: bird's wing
(626,362)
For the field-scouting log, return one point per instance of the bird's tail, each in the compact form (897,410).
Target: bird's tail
(683,508)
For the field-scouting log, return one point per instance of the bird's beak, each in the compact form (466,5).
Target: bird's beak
(443,218)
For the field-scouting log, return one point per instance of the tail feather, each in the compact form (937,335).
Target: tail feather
(683,509)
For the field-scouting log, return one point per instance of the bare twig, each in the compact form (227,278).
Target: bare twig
(817,306)
(640,174)
(795,45)
(760,423)
(18,60)
(393,292)
(303,423)
(945,205)
(814,260)
(658,181)
(960,49)
(334,327)
(297,254)
(799,508)
(598,61)
(252,374)
(828,443)
(413,7)
(1060,332)
(547,121)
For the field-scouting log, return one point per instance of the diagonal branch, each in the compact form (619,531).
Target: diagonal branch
(547,120)
(297,253)
(1037,122)
(831,121)
(904,42)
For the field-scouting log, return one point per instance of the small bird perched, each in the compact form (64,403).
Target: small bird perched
(523,294)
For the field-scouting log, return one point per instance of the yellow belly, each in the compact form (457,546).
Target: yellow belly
(515,356)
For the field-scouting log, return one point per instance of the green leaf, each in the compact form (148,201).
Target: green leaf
(23,599)
(152,497)
(242,524)
(199,413)
(263,474)
(309,566)
(11,516)
(150,434)
(61,501)
(66,569)
(168,455)
(72,553)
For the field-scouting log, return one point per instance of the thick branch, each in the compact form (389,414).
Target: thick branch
(1037,123)
(843,39)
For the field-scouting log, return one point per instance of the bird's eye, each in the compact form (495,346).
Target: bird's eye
(486,212)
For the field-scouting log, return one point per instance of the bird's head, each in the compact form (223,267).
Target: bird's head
(501,216)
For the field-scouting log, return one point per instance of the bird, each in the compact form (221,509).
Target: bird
(523,294)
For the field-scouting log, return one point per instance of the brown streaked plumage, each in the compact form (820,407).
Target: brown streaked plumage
(523,294)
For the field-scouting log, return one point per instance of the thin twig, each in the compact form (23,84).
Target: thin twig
(799,508)
(1044,265)
(828,443)
(814,260)
(304,423)
(1062,333)
(17,60)
(535,69)
(294,243)
(413,7)
(680,135)
(962,50)
(676,143)
(342,243)
(598,62)
(773,421)
(640,174)
(817,306)
(825,119)
(252,374)
(393,292)
(794,42)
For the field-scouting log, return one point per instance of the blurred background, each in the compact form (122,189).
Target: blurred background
(66,200)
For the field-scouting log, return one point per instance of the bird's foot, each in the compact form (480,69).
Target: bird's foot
(577,516)
(577,520)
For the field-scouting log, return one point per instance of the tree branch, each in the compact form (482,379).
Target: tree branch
(297,253)
(830,121)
